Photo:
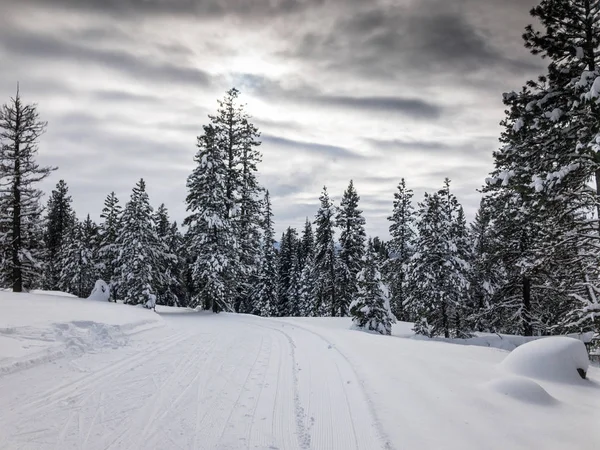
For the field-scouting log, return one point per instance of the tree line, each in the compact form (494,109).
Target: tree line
(528,263)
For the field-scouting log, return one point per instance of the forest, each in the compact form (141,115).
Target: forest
(527,264)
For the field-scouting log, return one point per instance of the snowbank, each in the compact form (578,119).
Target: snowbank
(521,389)
(561,359)
(40,327)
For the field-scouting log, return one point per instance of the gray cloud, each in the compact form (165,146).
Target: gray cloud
(304,93)
(24,44)
(324,150)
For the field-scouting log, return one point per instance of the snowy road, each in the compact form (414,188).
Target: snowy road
(200,382)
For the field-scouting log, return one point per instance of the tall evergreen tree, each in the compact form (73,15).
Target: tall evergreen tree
(211,237)
(140,250)
(371,309)
(78,268)
(265,294)
(351,223)
(236,138)
(325,258)
(60,219)
(306,288)
(402,231)
(285,269)
(108,252)
(438,268)
(20,209)
(168,285)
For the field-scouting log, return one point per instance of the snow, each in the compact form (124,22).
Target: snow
(521,389)
(101,292)
(190,379)
(554,359)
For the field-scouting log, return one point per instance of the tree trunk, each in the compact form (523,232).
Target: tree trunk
(527,326)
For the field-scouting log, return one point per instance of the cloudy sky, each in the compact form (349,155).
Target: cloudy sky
(369,90)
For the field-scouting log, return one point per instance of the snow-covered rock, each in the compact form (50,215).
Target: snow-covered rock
(101,292)
(522,389)
(561,359)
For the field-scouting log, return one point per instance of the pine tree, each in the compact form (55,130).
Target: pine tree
(325,258)
(168,284)
(438,268)
(60,219)
(211,237)
(140,250)
(236,138)
(402,231)
(77,257)
(306,288)
(285,271)
(108,252)
(248,215)
(370,309)
(20,210)
(265,294)
(351,223)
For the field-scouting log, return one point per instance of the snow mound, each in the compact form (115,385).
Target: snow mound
(561,359)
(101,292)
(522,389)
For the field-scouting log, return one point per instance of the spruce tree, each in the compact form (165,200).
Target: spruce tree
(140,250)
(438,268)
(211,237)
(108,251)
(325,258)
(402,231)
(306,288)
(168,285)
(370,309)
(78,268)
(60,219)
(236,139)
(285,271)
(351,223)
(265,294)
(21,240)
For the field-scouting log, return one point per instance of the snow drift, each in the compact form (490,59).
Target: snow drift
(560,359)
(521,389)
(101,292)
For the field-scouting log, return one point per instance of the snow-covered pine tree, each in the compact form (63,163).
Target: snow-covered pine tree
(487,274)
(437,268)
(351,223)
(20,211)
(248,215)
(78,268)
(211,237)
(566,131)
(59,220)
(108,252)
(265,294)
(306,291)
(325,258)
(140,250)
(168,283)
(236,138)
(288,249)
(402,231)
(370,308)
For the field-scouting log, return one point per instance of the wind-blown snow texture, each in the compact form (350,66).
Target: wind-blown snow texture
(197,380)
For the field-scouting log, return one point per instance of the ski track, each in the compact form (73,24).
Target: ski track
(200,382)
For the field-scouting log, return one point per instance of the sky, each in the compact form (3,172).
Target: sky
(340,89)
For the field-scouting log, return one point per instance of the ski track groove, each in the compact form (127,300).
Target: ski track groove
(240,374)
(49,398)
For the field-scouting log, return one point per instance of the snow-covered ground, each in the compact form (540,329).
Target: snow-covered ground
(85,374)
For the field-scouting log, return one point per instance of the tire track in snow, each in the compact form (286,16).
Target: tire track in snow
(360,397)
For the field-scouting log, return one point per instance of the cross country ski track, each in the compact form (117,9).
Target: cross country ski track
(200,382)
